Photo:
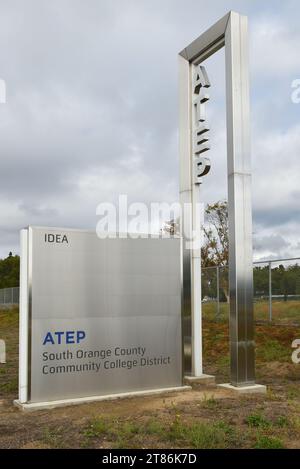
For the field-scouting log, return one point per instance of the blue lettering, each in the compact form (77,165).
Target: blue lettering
(48,338)
(80,336)
(61,337)
(70,337)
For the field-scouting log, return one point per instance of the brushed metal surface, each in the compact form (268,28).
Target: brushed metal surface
(190,230)
(231,32)
(122,293)
(242,348)
(214,35)
(185,173)
(23,318)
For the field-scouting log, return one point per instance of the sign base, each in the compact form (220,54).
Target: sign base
(202,379)
(253,389)
(32,406)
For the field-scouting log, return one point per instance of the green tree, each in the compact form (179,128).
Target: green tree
(9,271)
(216,245)
(215,249)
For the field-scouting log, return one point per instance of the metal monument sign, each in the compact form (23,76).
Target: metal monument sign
(106,317)
(229,32)
(98,316)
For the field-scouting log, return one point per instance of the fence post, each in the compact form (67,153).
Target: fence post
(218,293)
(270,292)
(2,351)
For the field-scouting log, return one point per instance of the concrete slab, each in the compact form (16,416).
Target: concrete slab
(203,379)
(253,389)
(32,406)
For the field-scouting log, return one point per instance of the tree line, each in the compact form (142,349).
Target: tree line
(285,280)
(10,271)
(215,251)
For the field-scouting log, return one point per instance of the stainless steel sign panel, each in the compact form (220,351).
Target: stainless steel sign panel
(231,32)
(105,314)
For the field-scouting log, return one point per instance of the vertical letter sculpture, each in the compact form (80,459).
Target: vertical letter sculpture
(231,32)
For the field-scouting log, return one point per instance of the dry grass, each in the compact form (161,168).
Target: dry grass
(201,418)
(283,312)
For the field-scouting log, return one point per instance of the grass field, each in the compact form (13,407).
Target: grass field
(283,312)
(204,417)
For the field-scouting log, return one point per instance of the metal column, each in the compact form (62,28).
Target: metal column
(239,202)
(191,262)
(218,292)
(270,292)
(231,32)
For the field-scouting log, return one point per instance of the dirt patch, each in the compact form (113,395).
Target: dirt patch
(203,417)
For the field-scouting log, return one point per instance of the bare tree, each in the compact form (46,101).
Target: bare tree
(215,248)
(215,230)
(214,251)
(171,227)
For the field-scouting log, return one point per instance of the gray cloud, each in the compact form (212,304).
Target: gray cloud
(92,108)
(272,243)
(276,217)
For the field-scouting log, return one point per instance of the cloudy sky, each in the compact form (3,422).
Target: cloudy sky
(91,111)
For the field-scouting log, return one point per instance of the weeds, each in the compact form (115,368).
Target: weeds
(202,434)
(273,351)
(209,402)
(257,421)
(282,421)
(268,442)
(53,437)
(96,428)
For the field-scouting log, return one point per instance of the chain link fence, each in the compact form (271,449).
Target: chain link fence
(276,289)
(9,296)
